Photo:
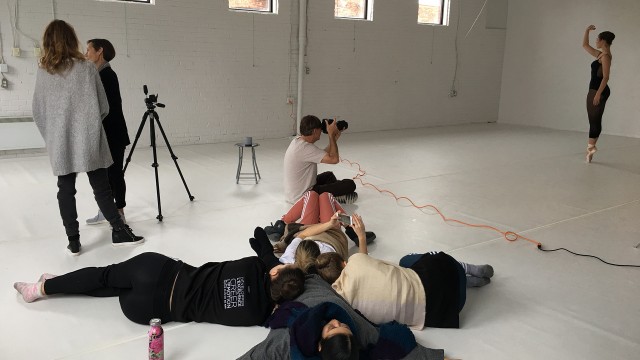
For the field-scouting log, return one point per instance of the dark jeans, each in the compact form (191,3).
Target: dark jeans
(116,176)
(408,260)
(99,181)
(327,182)
(135,281)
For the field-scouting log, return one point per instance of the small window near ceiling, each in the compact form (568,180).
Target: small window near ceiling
(433,12)
(354,9)
(265,6)
(151,2)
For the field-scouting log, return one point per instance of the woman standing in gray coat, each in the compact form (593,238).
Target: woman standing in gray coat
(69,103)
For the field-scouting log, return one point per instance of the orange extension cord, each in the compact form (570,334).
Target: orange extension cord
(508,235)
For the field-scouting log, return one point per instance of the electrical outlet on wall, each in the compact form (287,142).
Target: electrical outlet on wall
(4,84)
(15,52)
(4,68)
(37,52)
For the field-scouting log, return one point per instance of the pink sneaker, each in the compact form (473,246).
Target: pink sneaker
(30,291)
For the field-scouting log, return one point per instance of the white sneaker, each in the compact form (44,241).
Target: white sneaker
(98,219)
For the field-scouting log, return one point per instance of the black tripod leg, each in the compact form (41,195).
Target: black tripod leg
(133,147)
(173,156)
(155,164)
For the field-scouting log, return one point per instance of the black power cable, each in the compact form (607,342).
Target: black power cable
(585,255)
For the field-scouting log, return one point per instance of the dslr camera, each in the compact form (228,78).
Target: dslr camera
(342,125)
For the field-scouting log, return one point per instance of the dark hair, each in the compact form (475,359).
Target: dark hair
(108,51)
(288,285)
(339,347)
(60,47)
(607,36)
(308,124)
(306,254)
(329,266)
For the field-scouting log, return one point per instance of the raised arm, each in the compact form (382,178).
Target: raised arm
(332,156)
(319,228)
(358,226)
(585,42)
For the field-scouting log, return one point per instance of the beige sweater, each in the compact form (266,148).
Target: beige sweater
(383,291)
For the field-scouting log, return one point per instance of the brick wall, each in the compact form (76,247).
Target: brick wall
(224,75)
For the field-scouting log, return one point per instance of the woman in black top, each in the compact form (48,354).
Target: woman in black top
(100,52)
(150,285)
(598,86)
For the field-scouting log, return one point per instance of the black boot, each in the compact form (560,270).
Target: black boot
(122,235)
(354,237)
(74,245)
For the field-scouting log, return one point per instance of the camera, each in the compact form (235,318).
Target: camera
(342,125)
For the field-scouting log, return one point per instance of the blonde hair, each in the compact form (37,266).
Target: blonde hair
(306,254)
(60,47)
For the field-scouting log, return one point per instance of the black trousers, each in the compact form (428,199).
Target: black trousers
(116,176)
(327,182)
(99,181)
(135,281)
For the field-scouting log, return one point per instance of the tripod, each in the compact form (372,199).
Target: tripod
(152,101)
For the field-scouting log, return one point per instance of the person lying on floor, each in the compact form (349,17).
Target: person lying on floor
(297,247)
(311,333)
(424,290)
(312,208)
(240,292)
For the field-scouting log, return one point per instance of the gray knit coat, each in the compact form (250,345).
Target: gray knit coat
(68,109)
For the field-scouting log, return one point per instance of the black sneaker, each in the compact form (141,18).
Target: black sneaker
(347,199)
(124,236)
(354,237)
(74,247)
(273,229)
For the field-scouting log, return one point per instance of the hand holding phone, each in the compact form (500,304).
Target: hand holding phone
(344,218)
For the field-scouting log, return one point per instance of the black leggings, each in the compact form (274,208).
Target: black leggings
(116,176)
(327,182)
(101,191)
(136,281)
(595,113)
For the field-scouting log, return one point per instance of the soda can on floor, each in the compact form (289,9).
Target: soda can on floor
(156,340)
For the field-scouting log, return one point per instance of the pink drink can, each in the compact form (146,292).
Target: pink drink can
(156,340)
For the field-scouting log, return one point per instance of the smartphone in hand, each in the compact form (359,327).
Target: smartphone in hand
(345,219)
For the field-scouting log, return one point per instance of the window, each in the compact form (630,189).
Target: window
(435,12)
(354,9)
(253,5)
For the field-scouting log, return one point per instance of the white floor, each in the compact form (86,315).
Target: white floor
(529,180)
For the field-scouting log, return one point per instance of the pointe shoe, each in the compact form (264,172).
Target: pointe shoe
(591,149)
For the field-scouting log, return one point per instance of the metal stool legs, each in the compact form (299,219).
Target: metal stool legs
(256,172)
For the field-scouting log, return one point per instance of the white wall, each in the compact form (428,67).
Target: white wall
(546,72)
(394,73)
(225,75)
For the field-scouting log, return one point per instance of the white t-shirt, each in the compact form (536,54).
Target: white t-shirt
(383,291)
(289,256)
(300,168)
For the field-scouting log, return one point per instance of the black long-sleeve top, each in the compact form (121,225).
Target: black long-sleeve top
(234,293)
(114,124)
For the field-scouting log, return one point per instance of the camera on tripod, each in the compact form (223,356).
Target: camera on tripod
(342,125)
(151,100)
